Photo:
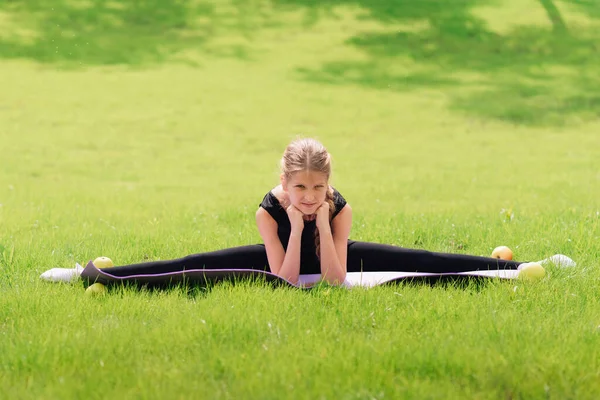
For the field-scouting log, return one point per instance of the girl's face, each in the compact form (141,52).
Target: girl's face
(306,190)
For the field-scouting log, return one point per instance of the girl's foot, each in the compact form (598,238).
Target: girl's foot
(62,274)
(560,260)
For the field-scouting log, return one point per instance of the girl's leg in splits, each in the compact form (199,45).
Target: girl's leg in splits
(243,257)
(367,257)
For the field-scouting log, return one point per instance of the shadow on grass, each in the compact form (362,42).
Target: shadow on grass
(73,33)
(530,75)
(589,7)
(329,294)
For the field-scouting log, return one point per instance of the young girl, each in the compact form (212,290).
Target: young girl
(305,224)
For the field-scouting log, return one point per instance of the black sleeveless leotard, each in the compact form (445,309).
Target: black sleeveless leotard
(309,262)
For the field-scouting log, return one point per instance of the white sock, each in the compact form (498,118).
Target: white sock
(560,260)
(62,274)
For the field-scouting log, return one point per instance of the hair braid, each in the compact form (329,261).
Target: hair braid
(329,200)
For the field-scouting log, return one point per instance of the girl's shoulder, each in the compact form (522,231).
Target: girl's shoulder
(338,201)
(274,202)
(279,196)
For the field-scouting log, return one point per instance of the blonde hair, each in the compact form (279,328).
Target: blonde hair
(308,154)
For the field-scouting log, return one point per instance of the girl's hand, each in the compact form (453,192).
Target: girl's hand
(296,220)
(323,217)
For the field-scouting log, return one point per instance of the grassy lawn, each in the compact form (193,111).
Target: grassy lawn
(146,131)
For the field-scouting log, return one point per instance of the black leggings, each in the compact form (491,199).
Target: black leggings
(362,256)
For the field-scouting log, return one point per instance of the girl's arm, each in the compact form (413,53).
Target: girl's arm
(282,263)
(334,246)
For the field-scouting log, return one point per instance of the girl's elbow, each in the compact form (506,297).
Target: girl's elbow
(337,279)
(293,280)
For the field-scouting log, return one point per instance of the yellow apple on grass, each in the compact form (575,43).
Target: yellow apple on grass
(531,271)
(96,289)
(103,262)
(503,253)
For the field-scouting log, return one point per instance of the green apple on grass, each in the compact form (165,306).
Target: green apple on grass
(103,262)
(531,271)
(96,289)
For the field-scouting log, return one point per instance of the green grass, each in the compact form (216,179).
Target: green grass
(153,132)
